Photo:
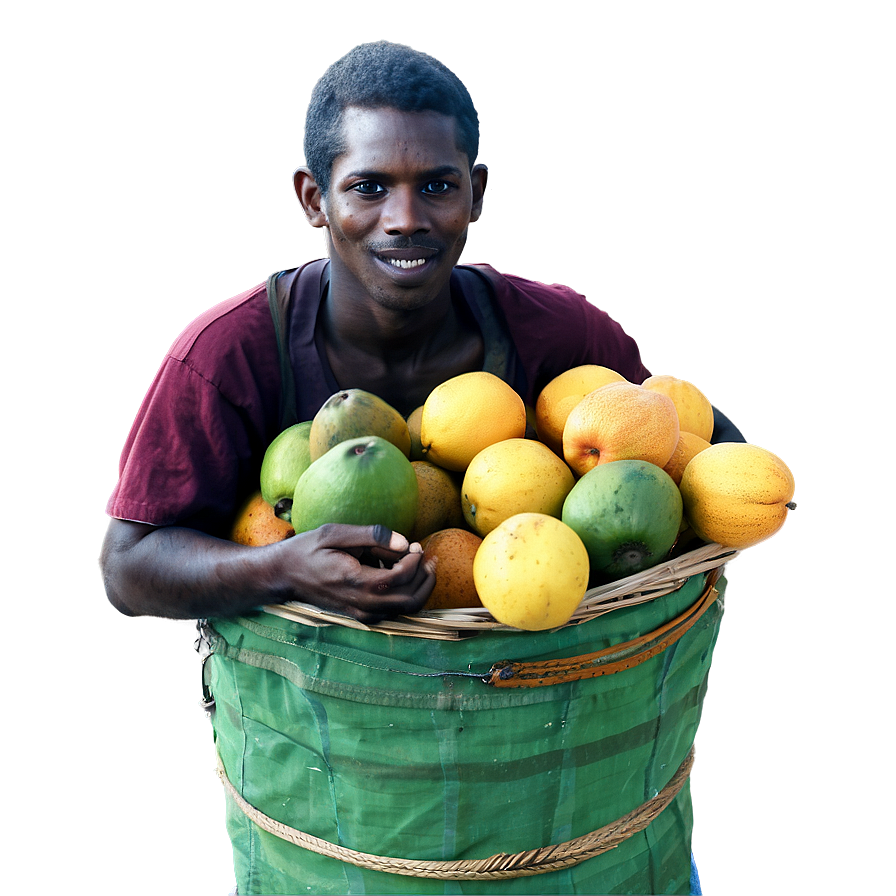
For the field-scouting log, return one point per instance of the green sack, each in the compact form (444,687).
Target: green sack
(396,746)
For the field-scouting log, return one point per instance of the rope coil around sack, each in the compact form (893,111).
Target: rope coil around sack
(496,867)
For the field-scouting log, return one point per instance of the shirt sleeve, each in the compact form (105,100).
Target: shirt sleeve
(188,458)
(555,328)
(195,448)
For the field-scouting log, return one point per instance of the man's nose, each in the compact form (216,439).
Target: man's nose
(405,214)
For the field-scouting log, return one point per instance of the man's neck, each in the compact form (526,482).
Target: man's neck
(362,325)
(398,354)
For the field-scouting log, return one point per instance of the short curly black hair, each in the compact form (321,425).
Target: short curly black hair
(376,75)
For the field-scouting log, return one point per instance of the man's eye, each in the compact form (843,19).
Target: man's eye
(368,188)
(437,187)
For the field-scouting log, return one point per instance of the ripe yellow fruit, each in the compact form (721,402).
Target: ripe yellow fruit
(510,477)
(562,394)
(454,550)
(465,414)
(620,421)
(439,502)
(256,523)
(531,572)
(693,407)
(689,445)
(736,494)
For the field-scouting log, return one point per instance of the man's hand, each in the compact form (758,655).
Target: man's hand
(367,572)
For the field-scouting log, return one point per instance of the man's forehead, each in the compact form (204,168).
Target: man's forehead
(385,129)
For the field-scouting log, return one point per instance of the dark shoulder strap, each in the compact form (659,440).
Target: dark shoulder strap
(501,357)
(278,300)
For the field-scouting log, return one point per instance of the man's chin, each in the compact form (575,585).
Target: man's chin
(408,289)
(406,299)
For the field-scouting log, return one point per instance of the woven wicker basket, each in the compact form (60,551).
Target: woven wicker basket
(455,625)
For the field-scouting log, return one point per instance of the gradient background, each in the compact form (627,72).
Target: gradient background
(718,177)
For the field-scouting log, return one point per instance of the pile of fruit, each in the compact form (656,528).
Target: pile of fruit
(524,508)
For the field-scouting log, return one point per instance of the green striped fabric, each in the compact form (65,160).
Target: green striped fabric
(393,745)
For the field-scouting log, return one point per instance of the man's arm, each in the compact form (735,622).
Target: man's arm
(182,573)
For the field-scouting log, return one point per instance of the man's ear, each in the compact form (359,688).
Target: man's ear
(479,178)
(310,197)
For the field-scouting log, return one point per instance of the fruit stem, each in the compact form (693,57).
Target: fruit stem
(790,505)
(283,509)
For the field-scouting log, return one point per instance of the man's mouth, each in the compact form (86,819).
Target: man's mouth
(405,258)
(405,264)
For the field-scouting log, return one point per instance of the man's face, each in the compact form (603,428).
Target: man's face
(400,201)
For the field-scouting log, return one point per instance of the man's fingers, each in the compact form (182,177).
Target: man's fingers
(368,572)
(345,537)
(405,587)
(390,556)
(390,540)
(399,574)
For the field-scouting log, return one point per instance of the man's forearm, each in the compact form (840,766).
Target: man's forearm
(181,573)
(367,572)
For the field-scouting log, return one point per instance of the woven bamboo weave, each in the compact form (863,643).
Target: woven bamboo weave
(456,625)
(500,866)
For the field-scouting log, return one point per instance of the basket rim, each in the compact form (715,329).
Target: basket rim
(658,581)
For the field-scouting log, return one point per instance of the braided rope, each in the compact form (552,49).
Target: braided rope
(496,867)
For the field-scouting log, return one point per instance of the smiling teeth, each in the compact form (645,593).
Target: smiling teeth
(404,265)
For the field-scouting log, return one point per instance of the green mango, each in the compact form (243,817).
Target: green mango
(364,482)
(353,413)
(628,513)
(287,457)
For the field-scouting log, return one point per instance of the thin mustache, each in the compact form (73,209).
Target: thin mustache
(384,246)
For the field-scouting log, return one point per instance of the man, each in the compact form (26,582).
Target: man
(393,181)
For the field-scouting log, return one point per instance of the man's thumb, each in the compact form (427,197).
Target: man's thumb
(390,539)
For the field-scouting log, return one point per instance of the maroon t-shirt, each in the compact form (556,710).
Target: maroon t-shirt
(195,449)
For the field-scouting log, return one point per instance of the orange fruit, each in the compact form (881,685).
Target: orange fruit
(688,446)
(620,421)
(454,550)
(531,572)
(736,494)
(465,414)
(513,476)
(439,502)
(256,523)
(693,407)
(562,394)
